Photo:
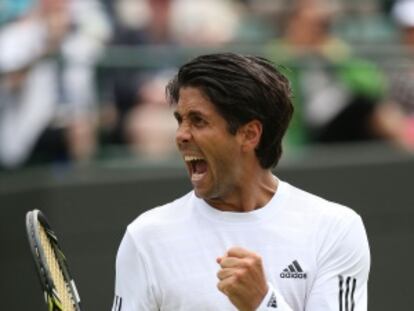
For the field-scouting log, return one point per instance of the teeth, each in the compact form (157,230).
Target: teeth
(192,158)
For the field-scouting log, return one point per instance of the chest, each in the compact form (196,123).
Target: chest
(186,269)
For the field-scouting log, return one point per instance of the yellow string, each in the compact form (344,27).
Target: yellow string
(57,276)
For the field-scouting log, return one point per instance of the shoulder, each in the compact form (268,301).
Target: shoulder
(318,211)
(337,233)
(157,219)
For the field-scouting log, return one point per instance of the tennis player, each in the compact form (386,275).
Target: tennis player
(243,239)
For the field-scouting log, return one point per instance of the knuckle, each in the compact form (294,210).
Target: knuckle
(231,287)
(238,275)
(250,263)
(220,286)
(256,257)
(256,260)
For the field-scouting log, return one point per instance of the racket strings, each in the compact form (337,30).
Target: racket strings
(62,287)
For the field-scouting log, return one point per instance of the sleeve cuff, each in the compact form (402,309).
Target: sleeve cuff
(269,302)
(273,301)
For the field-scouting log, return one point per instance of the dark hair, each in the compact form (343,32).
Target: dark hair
(243,88)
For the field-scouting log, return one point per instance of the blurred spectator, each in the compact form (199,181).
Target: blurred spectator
(155,23)
(401,102)
(136,23)
(402,90)
(150,126)
(337,95)
(140,21)
(204,22)
(47,86)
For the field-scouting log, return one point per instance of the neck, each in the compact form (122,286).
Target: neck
(250,194)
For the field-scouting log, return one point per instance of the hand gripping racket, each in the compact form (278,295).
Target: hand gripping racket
(57,284)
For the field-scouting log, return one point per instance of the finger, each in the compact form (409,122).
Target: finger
(225,273)
(231,262)
(239,252)
(226,286)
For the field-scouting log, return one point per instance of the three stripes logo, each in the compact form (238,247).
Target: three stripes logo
(117,304)
(272,303)
(293,271)
(346,293)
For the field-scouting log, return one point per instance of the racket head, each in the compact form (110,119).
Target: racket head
(59,289)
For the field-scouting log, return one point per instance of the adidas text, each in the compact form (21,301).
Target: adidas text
(294,275)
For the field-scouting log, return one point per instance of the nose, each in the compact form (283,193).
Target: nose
(183,134)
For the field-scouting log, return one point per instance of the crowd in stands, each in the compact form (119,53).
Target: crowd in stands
(79,78)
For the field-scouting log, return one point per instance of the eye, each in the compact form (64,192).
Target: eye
(198,121)
(178,118)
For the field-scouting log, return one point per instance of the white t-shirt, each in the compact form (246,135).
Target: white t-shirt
(315,253)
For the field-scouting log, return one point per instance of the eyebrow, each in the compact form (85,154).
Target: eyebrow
(191,113)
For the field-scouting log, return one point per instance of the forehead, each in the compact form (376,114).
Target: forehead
(192,99)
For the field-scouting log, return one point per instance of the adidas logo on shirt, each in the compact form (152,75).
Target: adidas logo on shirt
(293,271)
(272,303)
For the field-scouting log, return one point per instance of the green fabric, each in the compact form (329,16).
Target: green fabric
(296,134)
(360,76)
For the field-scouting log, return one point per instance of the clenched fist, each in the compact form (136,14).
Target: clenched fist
(242,279)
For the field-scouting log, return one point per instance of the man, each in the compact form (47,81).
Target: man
(242,239)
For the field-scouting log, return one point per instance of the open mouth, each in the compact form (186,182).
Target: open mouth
(197,167)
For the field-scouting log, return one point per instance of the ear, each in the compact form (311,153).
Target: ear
(250,134)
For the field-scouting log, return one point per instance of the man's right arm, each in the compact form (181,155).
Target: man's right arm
(133,282)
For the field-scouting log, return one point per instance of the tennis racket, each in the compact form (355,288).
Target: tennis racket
(57,284)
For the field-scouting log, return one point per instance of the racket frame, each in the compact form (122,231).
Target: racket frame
(35,219)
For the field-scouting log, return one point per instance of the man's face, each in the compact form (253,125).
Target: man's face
(211,153)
